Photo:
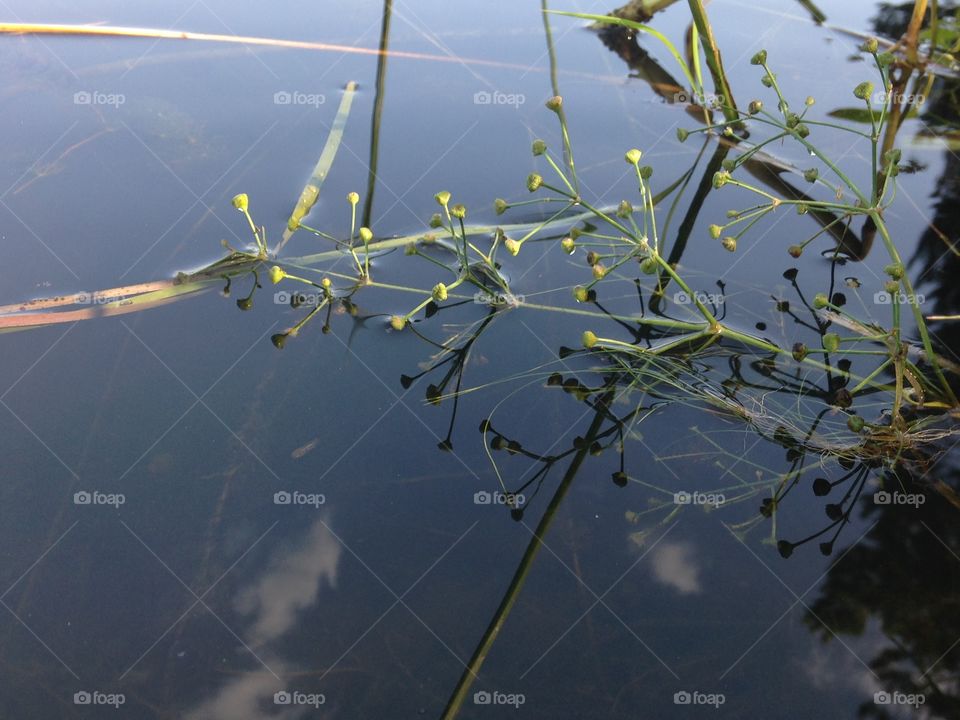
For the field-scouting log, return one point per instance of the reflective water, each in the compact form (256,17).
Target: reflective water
(194,522)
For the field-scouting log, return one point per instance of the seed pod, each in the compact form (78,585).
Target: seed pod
(759,59)
(534,181)
(831,342)
(539,147)
(500,206)
(729,243)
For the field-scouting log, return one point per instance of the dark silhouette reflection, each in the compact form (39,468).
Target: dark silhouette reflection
(903,577)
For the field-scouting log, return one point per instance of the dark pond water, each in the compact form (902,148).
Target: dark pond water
(194,522)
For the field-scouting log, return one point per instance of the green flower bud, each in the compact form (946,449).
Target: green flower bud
(512,246)
(500,206)
(568,245)
(580,293)
(534,181)
(870,45)
(442,197)
(799,351)
(245,303)
(276,274)
(436,220)
(802,209)
(855,422)
(820,301)
(802,130)
(682,134)
(894,270)
(625,209)
(539,147)
(715,231)
(729,244)
(864,90)
(811,175)
(646,172)
(831,342)
(884,59)
(720,178)
(767,80)
(795,251)
(592,258)
(589,339)
(755,106)
(458,211)
(892,287)
(792,119)
(599,271)
(398,322)
(648,266)
(759,59)
(809,101)
(439,292)
(279,340)
(633,156)
(326,283)
(729,164)
(410,248)
(353,198)
(241,202)
(554,103)
(366,235)
(892,156)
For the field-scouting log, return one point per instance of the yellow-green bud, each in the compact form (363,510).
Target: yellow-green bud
(366,235)
(648,266)
(241,202)
(439,292)
(458,211)
(353,198)
(811,175)
(633,156)
(870,45)
(625,209)
(682,134)
(820,301)
(809,101)
(568,245)
(759,59)
(554,103)
(894,270)
(720,178)
(326,283)
(580,293)
(589,339)
(831,342)
(534,181)
(715,231)
(276,274)
(855,422)
(539,147)
(512,246)
(410,248)
(436,220)
(729,244)
(795,251)
(892,287)
(398,322)
(863,91)
(500,206)
(442,197)
(599,271)
(755,107)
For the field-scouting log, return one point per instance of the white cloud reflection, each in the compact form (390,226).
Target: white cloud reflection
(674,565)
